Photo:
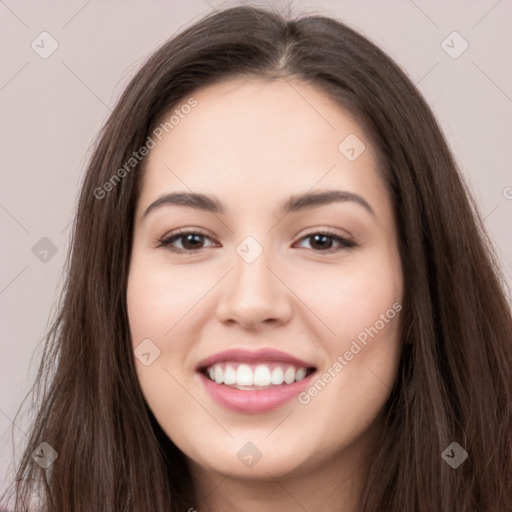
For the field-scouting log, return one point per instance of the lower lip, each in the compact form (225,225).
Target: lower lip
(254,401)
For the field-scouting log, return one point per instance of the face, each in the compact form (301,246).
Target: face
(305,290)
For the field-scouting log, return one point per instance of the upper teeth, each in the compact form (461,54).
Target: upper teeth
(255,375)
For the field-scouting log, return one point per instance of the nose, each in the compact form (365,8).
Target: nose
(254,295)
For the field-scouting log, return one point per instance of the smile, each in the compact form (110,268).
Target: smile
(254,382)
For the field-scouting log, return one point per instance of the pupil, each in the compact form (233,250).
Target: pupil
(322,238)
(189,238)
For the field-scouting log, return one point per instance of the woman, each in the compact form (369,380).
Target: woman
(280,296)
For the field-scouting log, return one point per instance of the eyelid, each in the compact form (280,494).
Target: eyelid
(325,230)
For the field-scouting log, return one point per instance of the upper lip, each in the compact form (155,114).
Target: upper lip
(252,356)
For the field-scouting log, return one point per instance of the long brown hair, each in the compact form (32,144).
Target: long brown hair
(455,378)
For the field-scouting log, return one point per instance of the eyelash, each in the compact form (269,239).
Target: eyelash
(168,240)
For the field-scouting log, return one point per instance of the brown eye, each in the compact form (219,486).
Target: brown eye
(190,241)
(324,241)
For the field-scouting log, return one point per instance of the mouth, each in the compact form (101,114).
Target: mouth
(254,382)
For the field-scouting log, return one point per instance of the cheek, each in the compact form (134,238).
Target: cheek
(361,303)
(158,298)
(350,297)
(359,307)
(154,308)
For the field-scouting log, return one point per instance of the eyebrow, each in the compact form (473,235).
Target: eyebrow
(295,203)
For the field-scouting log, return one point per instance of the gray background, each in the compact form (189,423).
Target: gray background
(53,108)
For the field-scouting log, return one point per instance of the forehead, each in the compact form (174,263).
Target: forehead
(251,139)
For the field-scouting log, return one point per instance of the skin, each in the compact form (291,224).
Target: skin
(253,143)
